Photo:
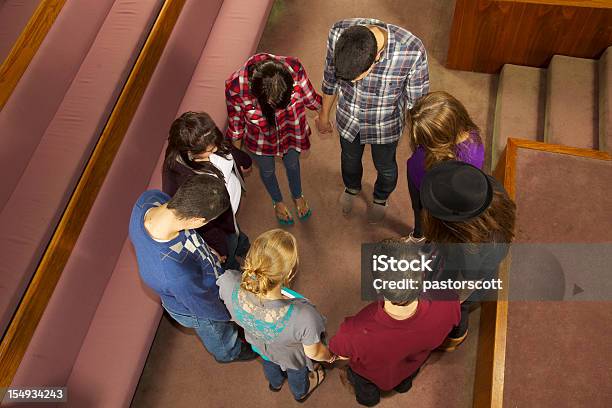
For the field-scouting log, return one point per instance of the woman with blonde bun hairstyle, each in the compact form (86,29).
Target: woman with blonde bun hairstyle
(283,327)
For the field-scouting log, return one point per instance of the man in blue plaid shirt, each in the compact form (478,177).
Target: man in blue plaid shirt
(376,71)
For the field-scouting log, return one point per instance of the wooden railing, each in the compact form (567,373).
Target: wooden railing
(491,357)
(36,298)
(26,46)
(486,34)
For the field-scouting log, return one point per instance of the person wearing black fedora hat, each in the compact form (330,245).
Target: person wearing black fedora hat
(469,219)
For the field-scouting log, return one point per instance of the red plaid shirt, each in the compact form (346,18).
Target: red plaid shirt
(246,120)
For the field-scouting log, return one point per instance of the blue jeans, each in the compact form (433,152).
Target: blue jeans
(298,379)
(219,338)
(267,171)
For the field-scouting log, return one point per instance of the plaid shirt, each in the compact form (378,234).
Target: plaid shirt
(246,120)
(374,107)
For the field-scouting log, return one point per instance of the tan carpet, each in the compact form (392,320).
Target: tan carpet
(179,373)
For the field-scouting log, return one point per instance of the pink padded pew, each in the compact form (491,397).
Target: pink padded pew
(14,16)
(54,165)
(96,332)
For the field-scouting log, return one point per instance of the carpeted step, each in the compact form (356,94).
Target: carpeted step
(519,108)
(571,109)
(605,101)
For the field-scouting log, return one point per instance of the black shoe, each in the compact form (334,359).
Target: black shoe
(405,386)
(246,353)
(275,389)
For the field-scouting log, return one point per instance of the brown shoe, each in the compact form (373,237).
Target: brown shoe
(451,343)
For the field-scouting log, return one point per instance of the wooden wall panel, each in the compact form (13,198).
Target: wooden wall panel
(486,34)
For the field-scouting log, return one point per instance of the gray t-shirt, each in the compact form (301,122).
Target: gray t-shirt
(278,329)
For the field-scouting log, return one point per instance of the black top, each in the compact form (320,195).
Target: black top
(215,232)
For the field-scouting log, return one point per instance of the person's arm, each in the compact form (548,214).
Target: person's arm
(417,84)
(319,352)
(310,97)
(169,180)
(242,159)
(340,344)
(329,86)
(235,127)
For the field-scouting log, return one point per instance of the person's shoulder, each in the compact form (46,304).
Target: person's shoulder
(229,278)
(442,301)
(364,316)
(405,38)
(152,197)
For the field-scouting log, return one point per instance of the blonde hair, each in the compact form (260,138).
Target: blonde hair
(438,121)
(271,260)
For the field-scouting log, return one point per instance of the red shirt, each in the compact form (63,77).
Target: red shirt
(387,351)
(246,120)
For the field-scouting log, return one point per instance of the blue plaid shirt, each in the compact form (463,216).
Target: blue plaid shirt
(374,107)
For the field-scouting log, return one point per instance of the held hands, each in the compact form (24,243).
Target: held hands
(324,126)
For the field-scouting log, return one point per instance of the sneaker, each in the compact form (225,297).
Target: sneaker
(376,212)
(346,201)
(246,353)
(411,239)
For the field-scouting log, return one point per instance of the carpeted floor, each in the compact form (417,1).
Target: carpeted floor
(180,373)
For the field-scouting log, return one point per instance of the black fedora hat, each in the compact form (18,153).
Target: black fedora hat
(456,191)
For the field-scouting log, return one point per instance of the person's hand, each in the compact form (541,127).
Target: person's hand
(246,170)
(221,259)
(324,125)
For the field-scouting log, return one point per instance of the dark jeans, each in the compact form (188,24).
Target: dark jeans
(417,207)
(368,394)
(237,245)
(383,156)
(267,172)
(298,379)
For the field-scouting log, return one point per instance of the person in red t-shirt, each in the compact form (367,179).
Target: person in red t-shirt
(388,341)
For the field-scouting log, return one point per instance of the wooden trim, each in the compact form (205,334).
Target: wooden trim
(565,3)
(36,298)
(26,46)
(491,359)
(515,144)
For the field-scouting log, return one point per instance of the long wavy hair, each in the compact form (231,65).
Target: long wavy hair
(494,225)
(438,122)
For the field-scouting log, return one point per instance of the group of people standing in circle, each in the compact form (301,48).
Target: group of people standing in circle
(234,293)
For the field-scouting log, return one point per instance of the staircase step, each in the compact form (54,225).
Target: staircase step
(605,101)
(571,102)
(519,107)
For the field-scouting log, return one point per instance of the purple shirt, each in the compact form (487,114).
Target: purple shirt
(469,151)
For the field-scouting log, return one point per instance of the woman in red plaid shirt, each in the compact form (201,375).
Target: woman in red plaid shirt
(266,104)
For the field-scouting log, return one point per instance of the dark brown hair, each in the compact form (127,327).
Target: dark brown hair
(495,224)
(438,121)
(193,133)
(272,84)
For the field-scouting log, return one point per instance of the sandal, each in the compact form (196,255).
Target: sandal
(305,215)
(283,221)
(319,371)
